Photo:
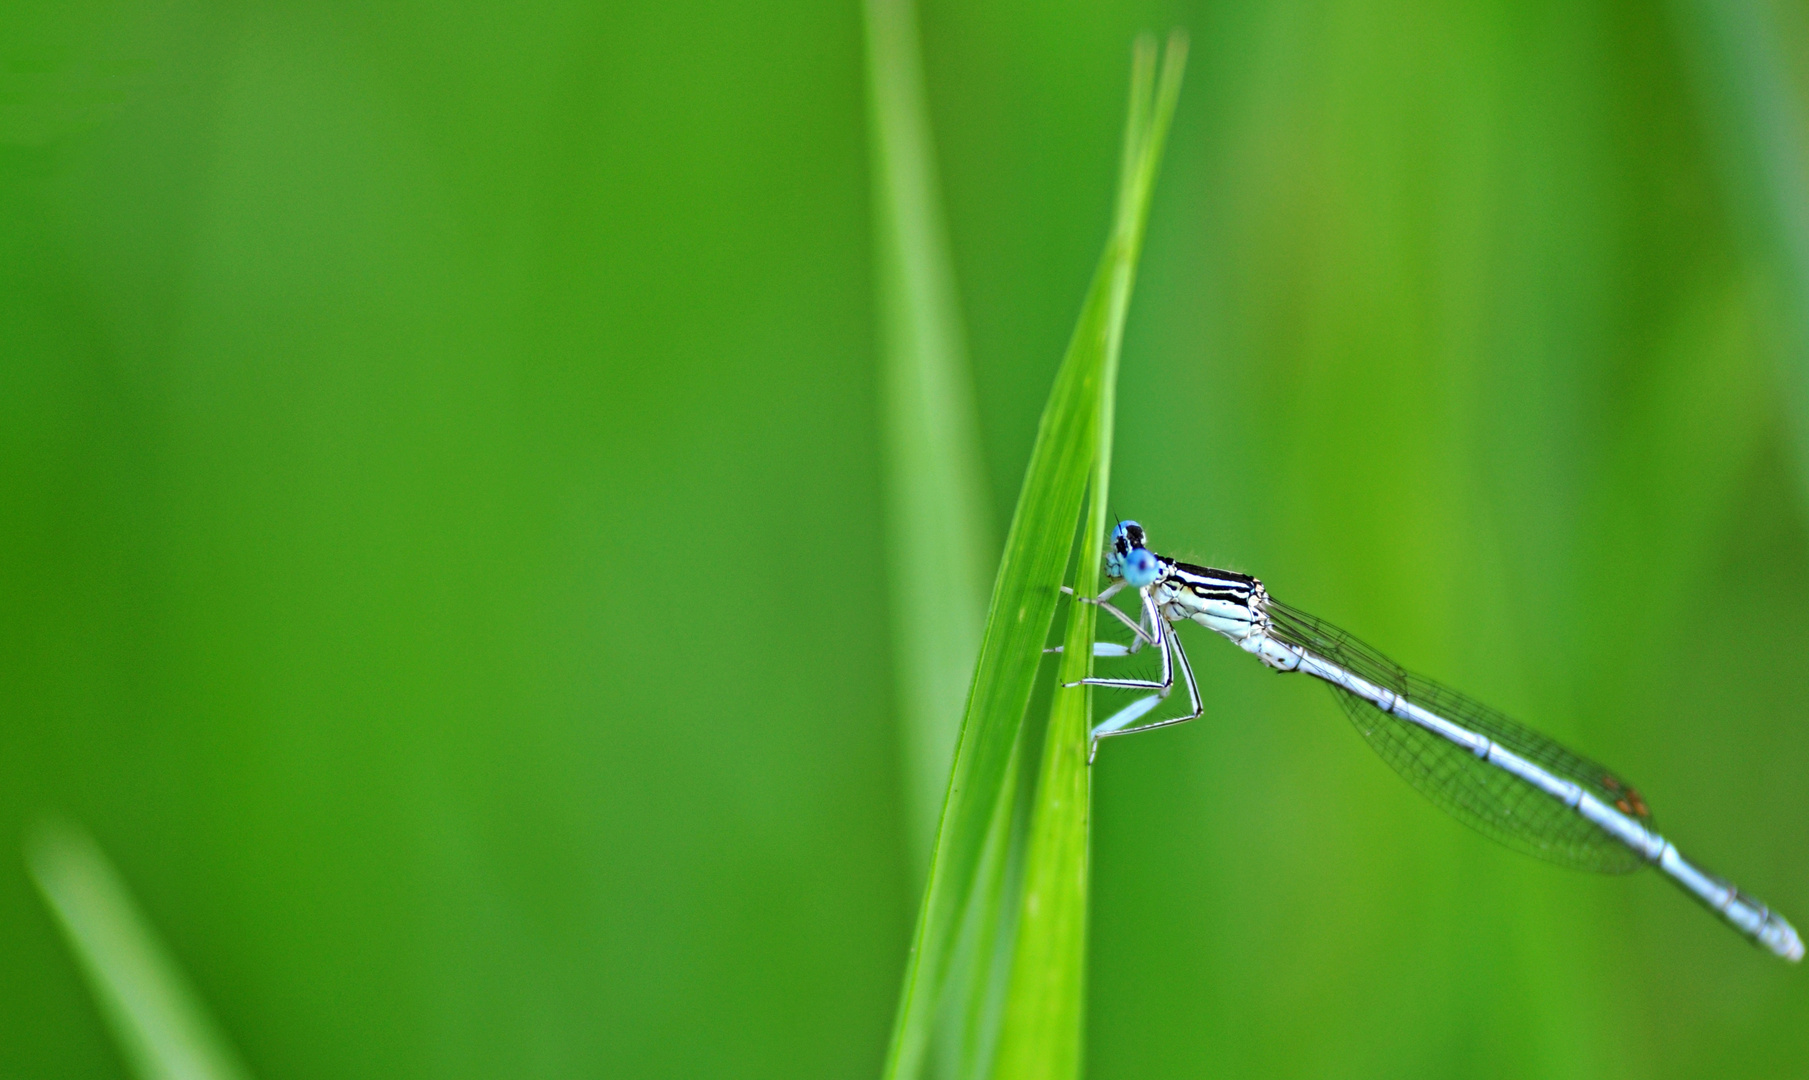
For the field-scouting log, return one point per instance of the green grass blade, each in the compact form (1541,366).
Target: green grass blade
(1018,620)
(153,1013)
(974,999)
(1758,125)
(1042,1034)
(939,543)
(1062,460)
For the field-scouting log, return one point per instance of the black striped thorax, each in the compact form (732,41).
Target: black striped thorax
(1185,590)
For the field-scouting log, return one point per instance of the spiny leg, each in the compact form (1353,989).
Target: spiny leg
(1136,710)
(1107,648)
(1157,638)
(1105,594)
(1120,724)
(1116,724)
(1140,628)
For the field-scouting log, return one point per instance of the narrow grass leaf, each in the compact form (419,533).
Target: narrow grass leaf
(939,542)
(974,996)
(1044,1014)
(153,1013)
(1037,549)
(1760,130)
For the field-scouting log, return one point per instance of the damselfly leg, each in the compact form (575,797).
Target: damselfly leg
(1121,722)
(1112,648)
(1124,721)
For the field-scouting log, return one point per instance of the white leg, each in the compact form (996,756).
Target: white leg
(1144,637)
(1158,635)
(1121,724)
(1105,594)
(1110,591)
(1106,648)
(1102,648)
(1124,717)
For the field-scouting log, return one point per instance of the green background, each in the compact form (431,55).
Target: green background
(440,544)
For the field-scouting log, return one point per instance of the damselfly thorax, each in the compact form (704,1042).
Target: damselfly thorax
(1229,603)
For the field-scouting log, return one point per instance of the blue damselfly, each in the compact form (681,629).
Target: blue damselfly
(1504,779)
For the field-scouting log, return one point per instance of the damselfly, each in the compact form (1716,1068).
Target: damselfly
(1507,781)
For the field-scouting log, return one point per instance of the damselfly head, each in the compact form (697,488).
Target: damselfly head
(1127,558)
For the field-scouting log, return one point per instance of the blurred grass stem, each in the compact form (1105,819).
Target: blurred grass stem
(939,544)
(1759,129)
(153,1013)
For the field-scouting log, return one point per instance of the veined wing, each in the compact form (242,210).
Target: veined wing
(1484,796)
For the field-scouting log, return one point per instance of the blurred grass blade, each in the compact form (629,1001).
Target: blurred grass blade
(1758,125)
(1041,1036)
(154,1014)
(939,545)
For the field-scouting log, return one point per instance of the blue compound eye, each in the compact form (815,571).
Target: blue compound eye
(1140,568)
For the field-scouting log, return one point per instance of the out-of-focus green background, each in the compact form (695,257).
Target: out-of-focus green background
(440,553)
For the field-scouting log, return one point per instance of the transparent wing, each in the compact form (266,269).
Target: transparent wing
(1488,799)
